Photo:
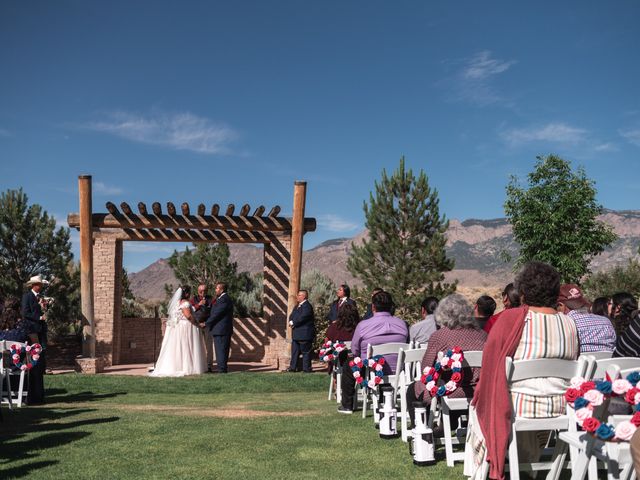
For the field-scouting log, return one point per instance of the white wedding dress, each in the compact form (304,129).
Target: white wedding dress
(182,351)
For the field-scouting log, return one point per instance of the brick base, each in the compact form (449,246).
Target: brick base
(90,365)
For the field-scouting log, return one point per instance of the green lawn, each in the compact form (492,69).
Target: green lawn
(242,425)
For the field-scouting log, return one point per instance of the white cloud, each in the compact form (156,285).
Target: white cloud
(560,133)
(181,131)
(606,147)
(632,136)
(104,189)
(473,82)
(481,66)
(335,223)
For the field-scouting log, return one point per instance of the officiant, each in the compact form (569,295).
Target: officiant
(201,304)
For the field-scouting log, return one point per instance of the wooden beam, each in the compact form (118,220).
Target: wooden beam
(171,209)
(259,211)
(168,235)
(297,232)
(185,209)
(86,265)
(113,210)
(274,211)
(157,208)
(142,208)
(245,210)
(202,210)
(126,209)
(215,209)
(230,210)
(192,222)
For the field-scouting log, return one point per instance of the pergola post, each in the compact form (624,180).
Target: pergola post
(86,267)
(295,265)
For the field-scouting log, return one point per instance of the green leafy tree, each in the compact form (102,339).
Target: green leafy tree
(207,264)
(249,301)
(321,294)
(405,252)
(31,245)
(623,278)
(554,218)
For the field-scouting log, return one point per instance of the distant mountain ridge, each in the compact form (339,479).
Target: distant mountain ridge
(476,246)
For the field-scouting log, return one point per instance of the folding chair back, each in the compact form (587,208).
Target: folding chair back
(382,349)
(623,363)
(336,375)
(8,396)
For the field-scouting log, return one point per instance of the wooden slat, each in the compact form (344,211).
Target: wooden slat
(274,211)
(245,210)
(126,209)
(185,209)
(113,210)
(192,222)
(203,236)
(230,209)
(215,209)
(259,211)
(142,208)
(202,210)
(157,209)
(171,209)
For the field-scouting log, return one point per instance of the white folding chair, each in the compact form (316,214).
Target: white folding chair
(8,396)
(542,367)
(411,372)
(601,355)
(336,375)
(472,359)
(622,363)
(372,351)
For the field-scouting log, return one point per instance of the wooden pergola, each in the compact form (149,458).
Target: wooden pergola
(102,235)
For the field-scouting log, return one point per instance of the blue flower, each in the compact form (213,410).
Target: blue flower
(441,391)
(604,387)
(449,353)
(580,403)
(634,378)
(605,431)
(437,366)
(379,374)
(636,407)
(456,369)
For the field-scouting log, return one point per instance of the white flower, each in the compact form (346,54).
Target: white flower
(444,361)
(456,364)
(625,430)
(583,413)
(456,357)
(621,386)
(430,385)
(576,382)
(450,386)
(594,397)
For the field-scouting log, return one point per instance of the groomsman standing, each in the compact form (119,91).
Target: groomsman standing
(220,325)
(303,333)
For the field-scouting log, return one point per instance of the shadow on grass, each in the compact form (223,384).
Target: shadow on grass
(59,396)
(24,471)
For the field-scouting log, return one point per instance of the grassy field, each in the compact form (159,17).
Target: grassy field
(242,425)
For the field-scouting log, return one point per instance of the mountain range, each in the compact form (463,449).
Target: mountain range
(477,246)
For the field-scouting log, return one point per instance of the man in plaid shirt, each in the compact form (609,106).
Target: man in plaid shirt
(595,332)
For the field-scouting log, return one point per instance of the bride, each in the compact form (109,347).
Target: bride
(182,351)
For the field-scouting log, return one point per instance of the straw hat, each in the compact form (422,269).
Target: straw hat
(36,279)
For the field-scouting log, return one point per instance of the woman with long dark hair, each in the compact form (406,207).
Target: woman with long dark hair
(625,314)
(621,310)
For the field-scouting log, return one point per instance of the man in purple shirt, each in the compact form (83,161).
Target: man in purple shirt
(381,328)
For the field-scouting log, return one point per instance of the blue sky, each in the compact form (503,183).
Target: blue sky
(230,102)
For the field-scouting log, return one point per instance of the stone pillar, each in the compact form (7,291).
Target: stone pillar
(277,259)
(107,274)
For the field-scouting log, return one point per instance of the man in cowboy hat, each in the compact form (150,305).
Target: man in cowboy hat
(33,316)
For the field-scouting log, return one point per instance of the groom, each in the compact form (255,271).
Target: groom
(220,325)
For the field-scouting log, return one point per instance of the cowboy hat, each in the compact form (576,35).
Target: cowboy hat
(36,279)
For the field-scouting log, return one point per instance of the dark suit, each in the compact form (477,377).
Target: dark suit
(302,322)
(31,313)
(201,314)
(220,327)
(333,311)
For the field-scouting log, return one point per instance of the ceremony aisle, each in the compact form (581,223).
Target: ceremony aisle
(242,425)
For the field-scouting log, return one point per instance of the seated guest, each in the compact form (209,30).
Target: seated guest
(12,328)
(595,333)
(621,310)
(369,313)
(379,329)
(534,330)
(458,327)
(600,306)
(510,299)
(628,344)
(421,331)
(483,309)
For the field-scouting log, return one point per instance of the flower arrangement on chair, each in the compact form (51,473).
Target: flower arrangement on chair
(25,358)
(376,366)
(584,396)
(330,350)
(451,361)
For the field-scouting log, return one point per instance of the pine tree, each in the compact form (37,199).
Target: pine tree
(405,252)
(555,219)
